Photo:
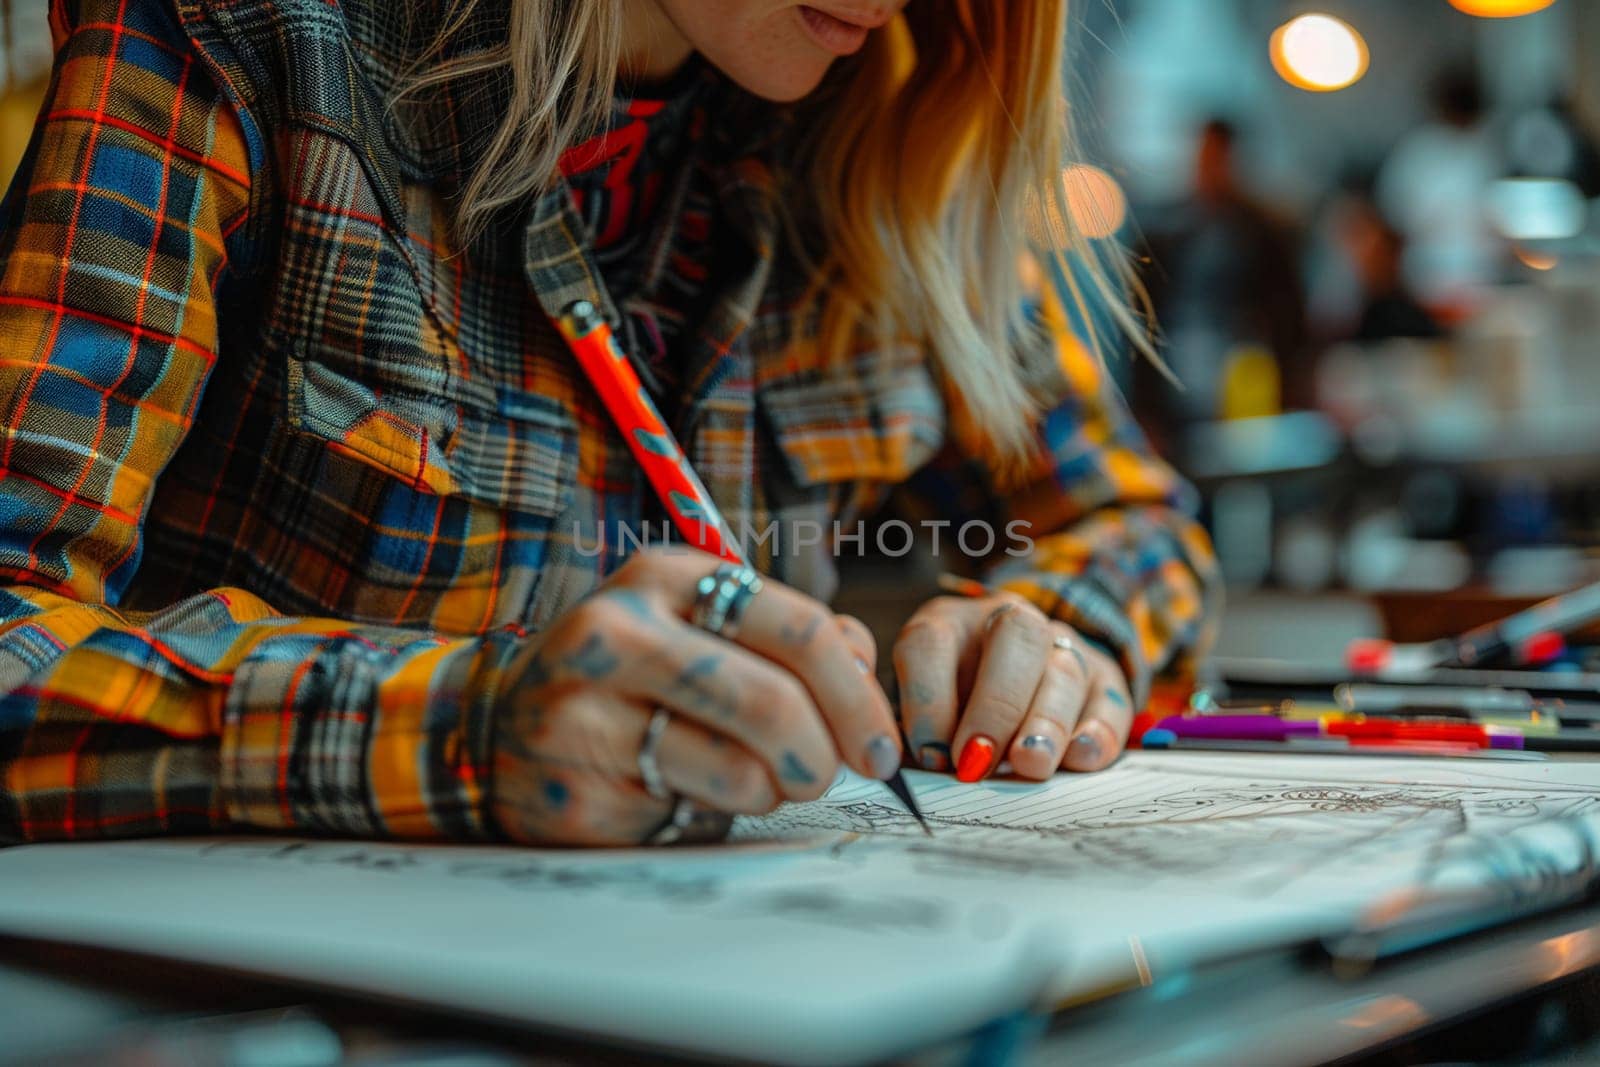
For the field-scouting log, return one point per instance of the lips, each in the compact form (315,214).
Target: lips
(842,35)
(862,21)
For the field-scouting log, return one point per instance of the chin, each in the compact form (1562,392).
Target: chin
(781,86)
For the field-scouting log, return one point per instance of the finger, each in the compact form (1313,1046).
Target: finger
(803,636)
(860,640)
(1042,739)
(927,664)
(695,762)
(709,768)
(1102,729)
(728,691)
(1016,643)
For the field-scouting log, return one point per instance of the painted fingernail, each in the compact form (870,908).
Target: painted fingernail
(883,756)
(934,756)
(977,756)
(861,665)
(1039,742)
(1086,749)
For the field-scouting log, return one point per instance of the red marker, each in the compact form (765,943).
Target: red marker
(1541,648)
(1402,730)
(683,495)
(1558,615)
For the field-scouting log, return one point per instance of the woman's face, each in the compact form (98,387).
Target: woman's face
(777,49)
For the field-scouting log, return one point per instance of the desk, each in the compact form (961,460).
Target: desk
(1540,980)
(1513,993)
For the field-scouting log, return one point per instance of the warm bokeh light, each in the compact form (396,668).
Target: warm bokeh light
(1501,9)
(1318,53)
(1095,203)
(1536,260)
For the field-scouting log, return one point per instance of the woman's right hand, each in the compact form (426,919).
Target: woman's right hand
(758,720)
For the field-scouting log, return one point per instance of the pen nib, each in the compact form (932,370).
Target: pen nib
(897,785)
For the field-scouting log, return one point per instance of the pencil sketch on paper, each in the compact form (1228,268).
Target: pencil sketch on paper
(1252,830)
(728,884)
(1255,833)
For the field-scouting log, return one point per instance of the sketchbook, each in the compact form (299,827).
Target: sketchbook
(836,931)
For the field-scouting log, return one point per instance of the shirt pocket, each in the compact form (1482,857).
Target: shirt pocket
(854,433)
(439,434)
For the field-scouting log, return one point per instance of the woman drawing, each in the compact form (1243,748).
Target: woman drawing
(300,487)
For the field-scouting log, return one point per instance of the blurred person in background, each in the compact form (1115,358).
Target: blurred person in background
(1224,276)
(1434,188)
(1376,250)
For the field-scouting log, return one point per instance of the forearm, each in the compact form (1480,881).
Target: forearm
(217,713)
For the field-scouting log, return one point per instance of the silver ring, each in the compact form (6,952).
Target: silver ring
(1067,644)
(672,831)
(649,768)
(999,613)
(722,597)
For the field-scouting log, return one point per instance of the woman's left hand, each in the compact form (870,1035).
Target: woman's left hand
(992,678)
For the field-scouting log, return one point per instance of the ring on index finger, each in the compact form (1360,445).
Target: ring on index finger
(994,617)
(1067,644)
(722,597)
(649,768)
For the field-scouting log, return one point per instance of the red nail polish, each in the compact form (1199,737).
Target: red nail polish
(977,756)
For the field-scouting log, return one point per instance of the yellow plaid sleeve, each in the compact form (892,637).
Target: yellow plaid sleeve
(119,232)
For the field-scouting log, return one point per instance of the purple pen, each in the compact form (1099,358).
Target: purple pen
(1240,727)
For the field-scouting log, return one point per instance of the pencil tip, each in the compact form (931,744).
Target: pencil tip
(899,787)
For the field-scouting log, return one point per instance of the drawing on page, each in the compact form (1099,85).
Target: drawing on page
(1254,833)
(1233,828)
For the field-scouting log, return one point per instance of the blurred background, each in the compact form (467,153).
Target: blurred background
(1369,229)
(1371,232)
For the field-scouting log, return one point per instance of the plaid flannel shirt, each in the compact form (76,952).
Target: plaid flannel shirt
(286,476)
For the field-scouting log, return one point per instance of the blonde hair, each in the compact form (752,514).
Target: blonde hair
(935,170)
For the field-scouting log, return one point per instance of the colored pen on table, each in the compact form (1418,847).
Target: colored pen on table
(688,504)
(1535,736)
(1579,740)
(1217,715)
(1533,732)
(1372,698)
(1401,730)
(1204,703)
(1240,727)
(1357,728)
(1557,615)
(1478,702)
(1158,739)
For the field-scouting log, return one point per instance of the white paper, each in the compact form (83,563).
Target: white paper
(833,931)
